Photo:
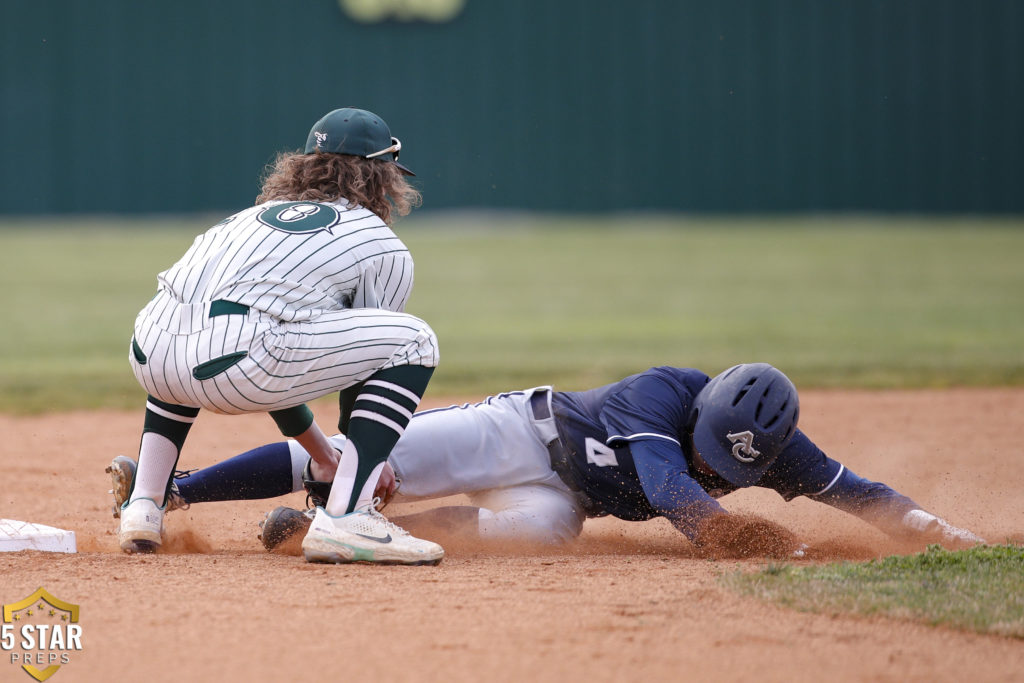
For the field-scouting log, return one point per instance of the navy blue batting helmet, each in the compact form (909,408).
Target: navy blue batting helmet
(744,418)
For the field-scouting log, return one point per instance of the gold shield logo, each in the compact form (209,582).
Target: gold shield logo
(41,633)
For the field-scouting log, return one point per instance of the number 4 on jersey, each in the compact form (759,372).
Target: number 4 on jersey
(599,454)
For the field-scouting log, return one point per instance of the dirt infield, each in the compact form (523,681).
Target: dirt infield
(630,601)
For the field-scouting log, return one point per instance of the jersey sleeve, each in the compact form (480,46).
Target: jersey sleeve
(804,470)
(386,283)
(665,479)
(650,414)
(872,501)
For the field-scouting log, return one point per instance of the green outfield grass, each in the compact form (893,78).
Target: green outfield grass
(980,590)
(519,301)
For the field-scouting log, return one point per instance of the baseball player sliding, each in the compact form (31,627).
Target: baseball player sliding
(299,296)
(535,464)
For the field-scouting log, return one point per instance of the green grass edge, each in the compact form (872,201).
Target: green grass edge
(517,301)
(980,590)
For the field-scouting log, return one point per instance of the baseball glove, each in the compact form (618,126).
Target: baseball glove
(317,492)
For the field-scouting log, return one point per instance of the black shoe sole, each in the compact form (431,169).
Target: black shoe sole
(142,548)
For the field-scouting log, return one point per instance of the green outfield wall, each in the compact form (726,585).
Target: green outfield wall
(141,106)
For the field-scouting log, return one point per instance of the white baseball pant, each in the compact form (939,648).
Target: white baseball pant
(253,362)
(495,452)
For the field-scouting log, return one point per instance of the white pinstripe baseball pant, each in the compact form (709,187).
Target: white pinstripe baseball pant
(252,362)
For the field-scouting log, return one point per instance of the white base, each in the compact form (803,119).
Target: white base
(15,535)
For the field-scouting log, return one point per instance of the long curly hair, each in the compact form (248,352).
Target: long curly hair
(373,184)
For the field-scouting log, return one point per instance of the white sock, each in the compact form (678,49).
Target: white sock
(366,495)
(344,481)
(157,456)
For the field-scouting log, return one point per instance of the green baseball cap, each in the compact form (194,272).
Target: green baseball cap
(357,132)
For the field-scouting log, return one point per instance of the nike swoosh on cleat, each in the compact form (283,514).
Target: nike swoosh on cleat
(379,539)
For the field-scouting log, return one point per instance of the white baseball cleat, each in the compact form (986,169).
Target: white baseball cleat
(142,524)
(365,535)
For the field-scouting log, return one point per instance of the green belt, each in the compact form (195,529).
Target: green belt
(222,307)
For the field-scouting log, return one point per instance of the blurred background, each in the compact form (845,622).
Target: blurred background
(834,187)
(547,105)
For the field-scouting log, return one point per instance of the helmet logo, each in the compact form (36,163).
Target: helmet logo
(743,446)
(321,138)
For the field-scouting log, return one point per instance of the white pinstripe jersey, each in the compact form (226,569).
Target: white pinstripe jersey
(295,260)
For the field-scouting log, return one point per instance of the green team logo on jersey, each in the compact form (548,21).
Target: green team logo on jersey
(300,217)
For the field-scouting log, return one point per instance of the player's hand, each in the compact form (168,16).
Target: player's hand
(937,530)
(322,471)
(325,471)
(740,536)
(386,486)
(957,538)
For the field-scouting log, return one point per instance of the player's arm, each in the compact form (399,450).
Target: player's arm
(803,469)
(297,423)
(669,488)
(892,512)
(647,413)
(712,529)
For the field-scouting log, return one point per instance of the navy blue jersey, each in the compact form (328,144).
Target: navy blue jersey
(629,450)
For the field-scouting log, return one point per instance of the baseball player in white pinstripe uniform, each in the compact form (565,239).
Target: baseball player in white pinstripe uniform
(299,296)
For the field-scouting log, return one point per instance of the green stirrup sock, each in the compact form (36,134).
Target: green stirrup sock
(379,416)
